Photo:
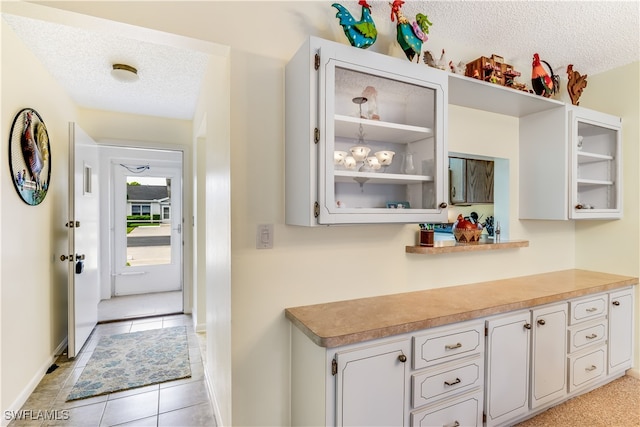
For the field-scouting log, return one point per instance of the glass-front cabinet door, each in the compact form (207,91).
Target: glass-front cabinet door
(595,141)
(379,133)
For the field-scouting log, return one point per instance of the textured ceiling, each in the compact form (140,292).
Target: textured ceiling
(594,36)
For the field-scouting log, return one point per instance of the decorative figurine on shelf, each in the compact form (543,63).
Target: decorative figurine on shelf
(442,63)
(458,69)
(428,59)
(410,36)
(371,94)
(543,83)
(362,33)
(576,84)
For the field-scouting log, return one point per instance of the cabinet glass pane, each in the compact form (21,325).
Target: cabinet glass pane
(384,146)
(596,166)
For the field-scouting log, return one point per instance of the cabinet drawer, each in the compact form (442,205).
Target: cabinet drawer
(586,309)
(445,381)
(587,368)
(442,345)
(581,336)
(463,411)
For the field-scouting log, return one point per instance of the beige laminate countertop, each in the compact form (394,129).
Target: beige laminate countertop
(347,322)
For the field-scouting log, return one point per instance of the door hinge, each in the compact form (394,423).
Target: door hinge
(484,417)
(316,210)
(316,61)
(316,135)
(334,367)
(486,331)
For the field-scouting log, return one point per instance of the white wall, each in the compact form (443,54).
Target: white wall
(34,288)
(315,265)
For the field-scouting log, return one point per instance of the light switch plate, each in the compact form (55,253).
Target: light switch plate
(264,236)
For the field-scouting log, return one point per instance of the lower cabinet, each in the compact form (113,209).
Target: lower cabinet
(620,330)
(372,385)
(493,371)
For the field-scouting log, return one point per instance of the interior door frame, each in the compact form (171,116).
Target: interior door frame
(115,148)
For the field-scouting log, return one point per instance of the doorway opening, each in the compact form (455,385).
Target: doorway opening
(146,269)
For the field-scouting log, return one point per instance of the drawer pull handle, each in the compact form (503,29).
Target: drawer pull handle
(450,383)
(592,336)
(402,358)
(592,309)
(453,346)
(616,303)
(455,424)
(527,325)
(541,322)
(590,368)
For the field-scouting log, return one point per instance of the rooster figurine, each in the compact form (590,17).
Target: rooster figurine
(576,84)
(542,83)
(410,36)
(30,150)
(362,33)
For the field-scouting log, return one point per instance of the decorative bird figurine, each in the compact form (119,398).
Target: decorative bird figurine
(542,83)
(30,150)
(362,33)
(410,36)
(576,84)
(459,68)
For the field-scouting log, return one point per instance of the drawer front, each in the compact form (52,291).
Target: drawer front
(444,345)
(443,382)
(587,368)
(464,411)
(586,309)
(582,336)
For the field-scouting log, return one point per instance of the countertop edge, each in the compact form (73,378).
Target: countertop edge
(331,341)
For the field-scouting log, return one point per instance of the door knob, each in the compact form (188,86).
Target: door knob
(66,257)
(541,322)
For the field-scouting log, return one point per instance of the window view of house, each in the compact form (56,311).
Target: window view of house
(148,221)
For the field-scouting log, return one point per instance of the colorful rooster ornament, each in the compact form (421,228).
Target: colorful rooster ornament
(362,33)
(410,36)
(543,83)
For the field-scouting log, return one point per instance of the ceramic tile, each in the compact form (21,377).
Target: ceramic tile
(87,415)
(130,408)
(182,396)
(198,415)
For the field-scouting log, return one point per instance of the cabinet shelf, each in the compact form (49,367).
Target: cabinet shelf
(375,130)
(594,182)
(585,157)
(380,177)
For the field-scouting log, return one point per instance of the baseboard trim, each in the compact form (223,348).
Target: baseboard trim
(635,373)
(200,327)
(33,383)
(214,401)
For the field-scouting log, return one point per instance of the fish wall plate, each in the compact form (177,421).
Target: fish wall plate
(30,156)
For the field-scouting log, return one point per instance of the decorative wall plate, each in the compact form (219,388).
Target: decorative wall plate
(30,156)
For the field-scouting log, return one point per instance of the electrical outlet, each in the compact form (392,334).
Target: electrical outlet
(264,236)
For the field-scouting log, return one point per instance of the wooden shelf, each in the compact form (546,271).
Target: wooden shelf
(448,246)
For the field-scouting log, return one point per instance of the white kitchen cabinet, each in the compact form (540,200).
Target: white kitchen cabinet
(372,384)
(507,367)
(620,330)
(345,108)
(548,354)
(570,165)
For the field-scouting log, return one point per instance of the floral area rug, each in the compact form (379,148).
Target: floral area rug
(136,359)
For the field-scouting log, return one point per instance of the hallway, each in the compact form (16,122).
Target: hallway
(137,306)
(181,403)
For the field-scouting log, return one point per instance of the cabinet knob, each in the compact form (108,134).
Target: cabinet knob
(527,325)
(541,322)
(616,303)
(402,358)
(442,205)
(579,206)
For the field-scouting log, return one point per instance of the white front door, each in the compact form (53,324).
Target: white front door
(83,226)
(147,226)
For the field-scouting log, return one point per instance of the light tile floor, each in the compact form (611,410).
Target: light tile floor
(180,403)
(144,305)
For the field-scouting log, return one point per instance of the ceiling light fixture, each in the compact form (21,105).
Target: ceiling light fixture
(124,73)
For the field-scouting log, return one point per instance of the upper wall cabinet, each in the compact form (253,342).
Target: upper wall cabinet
(365,138)
(570,165)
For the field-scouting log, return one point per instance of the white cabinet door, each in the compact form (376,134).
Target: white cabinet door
(507,367)
(457,180)
(549,354)
(365,138)
(596,168)
(620,330)
(372,385)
